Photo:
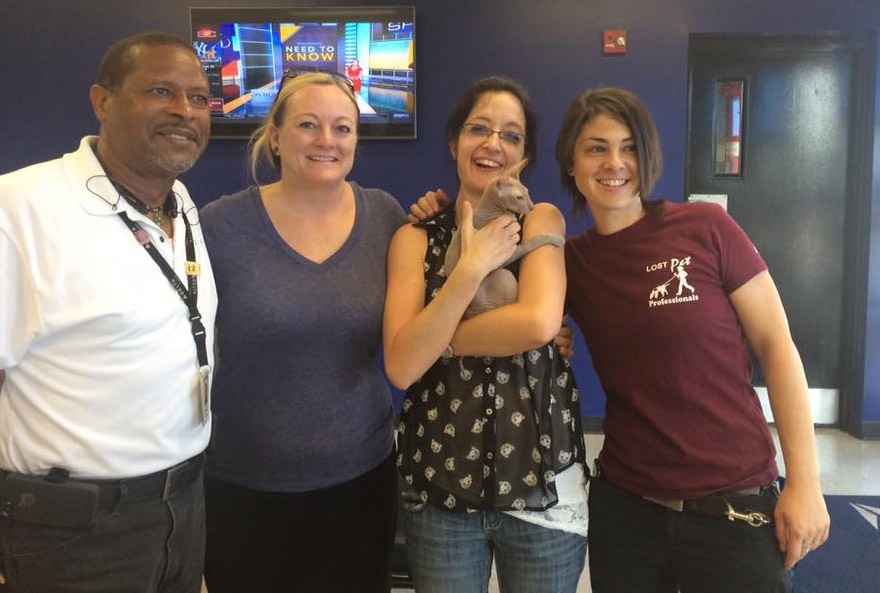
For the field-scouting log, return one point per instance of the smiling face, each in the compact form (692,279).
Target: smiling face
(478,158)
(157,123)
(317,137)
(606,171)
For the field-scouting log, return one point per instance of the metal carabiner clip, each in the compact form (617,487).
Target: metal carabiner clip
(754,518)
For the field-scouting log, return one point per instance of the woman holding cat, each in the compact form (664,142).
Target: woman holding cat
(490,438)
(301,486)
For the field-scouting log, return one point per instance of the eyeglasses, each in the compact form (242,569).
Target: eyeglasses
(481,132)
(289,74)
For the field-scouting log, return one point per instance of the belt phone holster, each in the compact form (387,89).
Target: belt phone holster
(50,500)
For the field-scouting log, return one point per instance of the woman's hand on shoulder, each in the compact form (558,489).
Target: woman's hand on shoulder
(429,206)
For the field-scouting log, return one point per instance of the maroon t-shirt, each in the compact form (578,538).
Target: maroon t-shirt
(682,419)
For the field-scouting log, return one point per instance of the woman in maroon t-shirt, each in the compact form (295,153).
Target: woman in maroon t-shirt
(667,296)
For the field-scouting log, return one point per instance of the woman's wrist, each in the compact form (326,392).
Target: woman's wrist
(470,269)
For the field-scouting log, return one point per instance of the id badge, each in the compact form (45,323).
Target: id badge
(205,394)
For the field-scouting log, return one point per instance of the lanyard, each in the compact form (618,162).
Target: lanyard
(189,297)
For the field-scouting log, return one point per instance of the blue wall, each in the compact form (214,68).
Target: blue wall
(49,51)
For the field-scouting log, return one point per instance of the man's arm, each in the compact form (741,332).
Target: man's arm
(19,313)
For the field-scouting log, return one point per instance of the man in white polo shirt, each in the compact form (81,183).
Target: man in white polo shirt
(106,320)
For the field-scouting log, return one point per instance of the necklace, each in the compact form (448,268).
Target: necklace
(157,214)
(168,207)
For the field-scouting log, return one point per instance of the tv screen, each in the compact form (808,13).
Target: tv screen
(245,52)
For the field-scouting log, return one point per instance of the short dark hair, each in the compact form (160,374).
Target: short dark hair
(495,84)
(118,62)
(625,108)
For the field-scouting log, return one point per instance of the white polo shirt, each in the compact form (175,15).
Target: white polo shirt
(101,365)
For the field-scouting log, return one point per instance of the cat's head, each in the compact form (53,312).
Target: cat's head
(507,193)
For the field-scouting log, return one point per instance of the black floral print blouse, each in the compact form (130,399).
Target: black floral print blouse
(488,433)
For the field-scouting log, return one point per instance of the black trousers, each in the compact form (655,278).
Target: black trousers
(337,539)
(137,545)
(637,546)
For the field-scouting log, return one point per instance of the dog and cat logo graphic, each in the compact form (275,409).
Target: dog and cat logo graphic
(678,281)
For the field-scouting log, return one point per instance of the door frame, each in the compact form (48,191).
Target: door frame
(857,218)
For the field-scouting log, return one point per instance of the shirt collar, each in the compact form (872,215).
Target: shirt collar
(93,189)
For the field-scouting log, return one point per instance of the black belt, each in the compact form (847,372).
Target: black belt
(709,504)
(160,485)
(716,505)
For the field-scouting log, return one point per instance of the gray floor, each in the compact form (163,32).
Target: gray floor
(846,466)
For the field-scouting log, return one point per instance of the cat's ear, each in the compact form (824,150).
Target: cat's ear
(516,169)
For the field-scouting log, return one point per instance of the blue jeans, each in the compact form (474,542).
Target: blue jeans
(637,546)
(452,553)
(134,546)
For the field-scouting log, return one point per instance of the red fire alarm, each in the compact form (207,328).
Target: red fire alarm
(614,41)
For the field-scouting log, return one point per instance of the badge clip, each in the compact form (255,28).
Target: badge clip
(205,394)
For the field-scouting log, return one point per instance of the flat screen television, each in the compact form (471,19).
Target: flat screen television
(245,52)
